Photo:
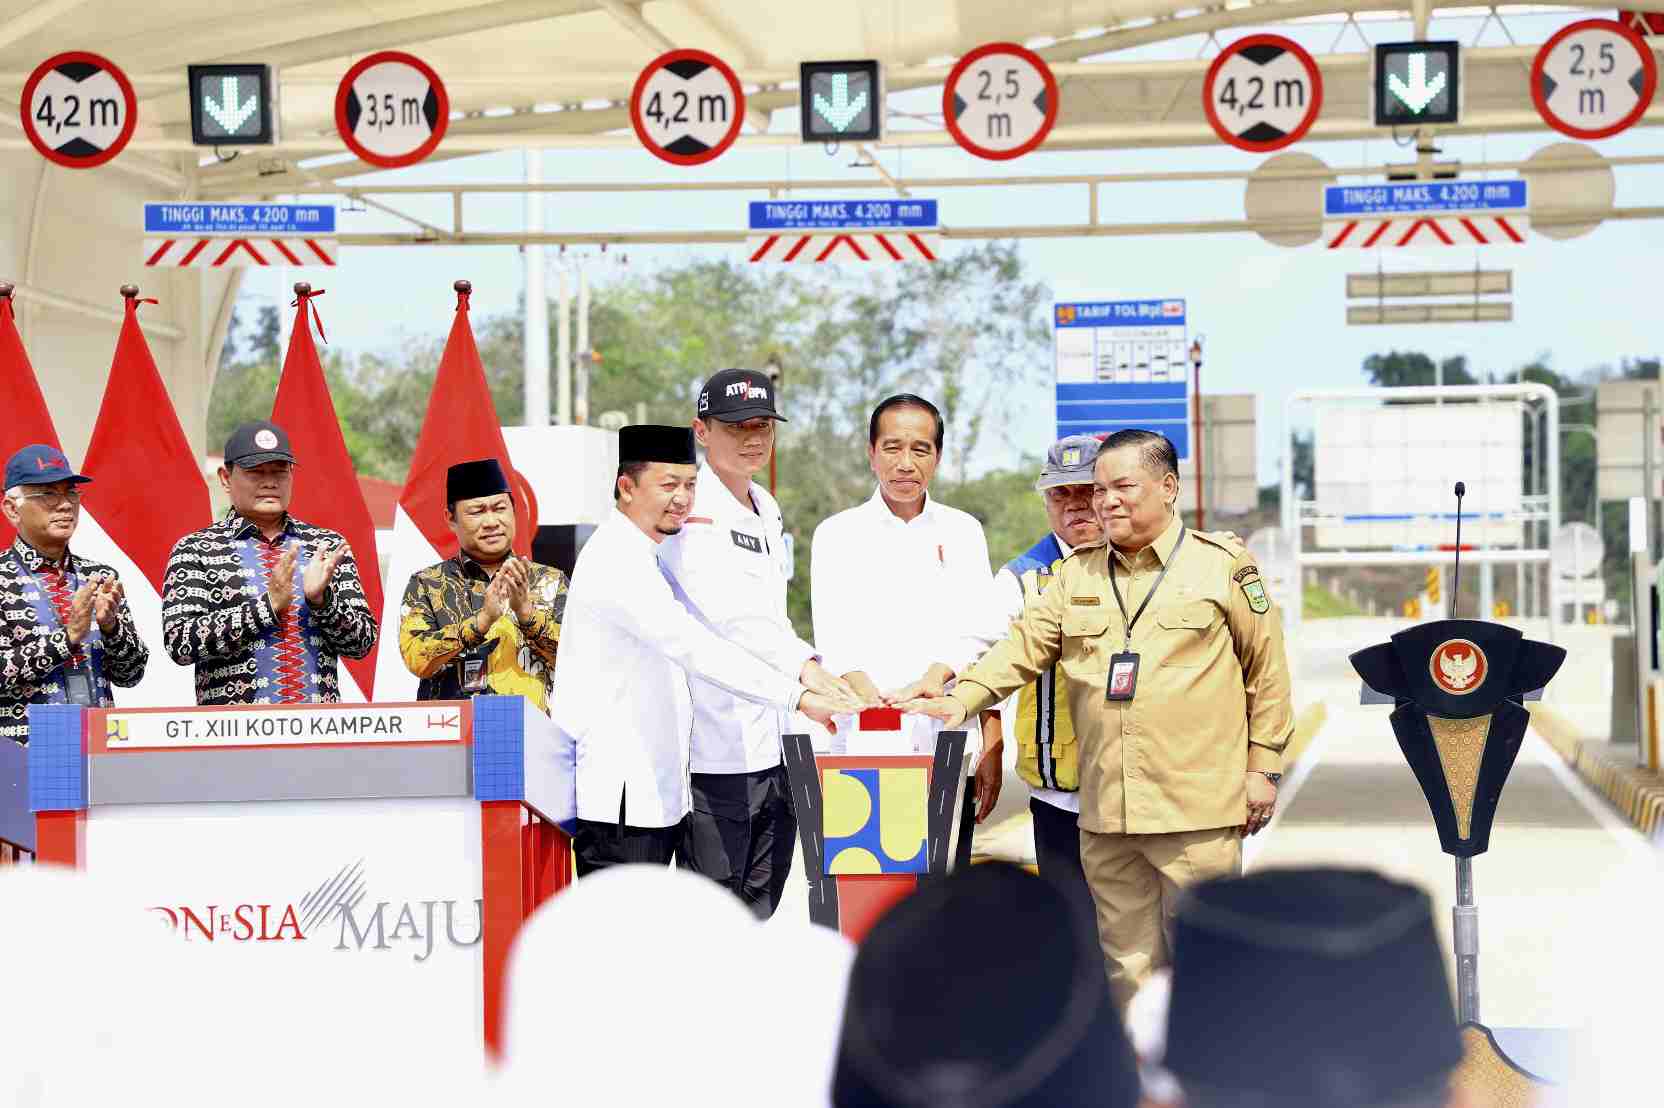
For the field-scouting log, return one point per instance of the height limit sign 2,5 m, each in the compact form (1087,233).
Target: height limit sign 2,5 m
(1593,79)
(687,106)
(391,109)
(1262,93)
(1000,101)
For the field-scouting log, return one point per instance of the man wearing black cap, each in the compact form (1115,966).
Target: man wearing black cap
(261,603)
(484,620)
(731,561)
(1033,1028)
(66,634)
(631,644)
(1310,988)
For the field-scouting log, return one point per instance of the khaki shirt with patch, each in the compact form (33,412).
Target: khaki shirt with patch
(1212,700)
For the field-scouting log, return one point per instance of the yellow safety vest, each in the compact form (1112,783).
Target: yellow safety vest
(1047,754)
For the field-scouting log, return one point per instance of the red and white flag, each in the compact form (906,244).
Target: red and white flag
(27,419)
(146,493)
(327,493)
(461,425)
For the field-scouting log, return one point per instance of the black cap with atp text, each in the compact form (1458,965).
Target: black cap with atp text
(736,395)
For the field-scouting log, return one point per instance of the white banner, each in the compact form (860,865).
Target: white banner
(282,726)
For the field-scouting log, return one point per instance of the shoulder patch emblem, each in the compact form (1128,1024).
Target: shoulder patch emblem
(1254,590)
(1086,601)
(1245,572)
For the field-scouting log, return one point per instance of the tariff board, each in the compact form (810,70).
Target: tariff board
(1123,364)
(78,109)
(1593,79)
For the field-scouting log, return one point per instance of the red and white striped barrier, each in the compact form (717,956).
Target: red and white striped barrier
(1419,230)
(844,246)
(207,253)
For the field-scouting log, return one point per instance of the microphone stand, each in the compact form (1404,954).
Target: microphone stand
(1465,915)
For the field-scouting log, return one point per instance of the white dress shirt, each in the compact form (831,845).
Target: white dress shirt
(891,597)
(627,648)
(1008,605)
(730,561)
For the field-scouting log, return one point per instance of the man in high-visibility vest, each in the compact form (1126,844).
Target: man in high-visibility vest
(1047,757)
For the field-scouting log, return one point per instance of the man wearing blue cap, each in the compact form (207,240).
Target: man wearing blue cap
(1048,757)
(66,634)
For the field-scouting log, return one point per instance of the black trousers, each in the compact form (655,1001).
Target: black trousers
(1057,849)
(596,846)
(741,834)
(967,827)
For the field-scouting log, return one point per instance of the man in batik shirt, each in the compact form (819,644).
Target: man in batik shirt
(483,621)
(66,634)
(261,603)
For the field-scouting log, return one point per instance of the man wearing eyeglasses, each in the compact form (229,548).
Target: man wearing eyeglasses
(66,634)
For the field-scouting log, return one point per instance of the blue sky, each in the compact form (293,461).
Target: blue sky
(1274,317)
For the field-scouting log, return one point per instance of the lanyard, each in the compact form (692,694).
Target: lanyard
(1117,589)
(74,580)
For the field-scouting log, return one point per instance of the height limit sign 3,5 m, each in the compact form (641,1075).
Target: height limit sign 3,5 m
(1262,93)
(1000,101)
(391,109)
(686,107)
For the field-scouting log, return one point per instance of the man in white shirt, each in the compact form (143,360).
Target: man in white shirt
(628,648)
(901,582)
(731,562)
(1047,754)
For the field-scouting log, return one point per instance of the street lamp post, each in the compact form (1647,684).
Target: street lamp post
(775,375)
(1196,432)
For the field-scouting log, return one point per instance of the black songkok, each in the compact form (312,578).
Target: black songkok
(471,480)
(652,442)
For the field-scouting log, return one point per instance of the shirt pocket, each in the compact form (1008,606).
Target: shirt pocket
(1188,633)
(1086,646)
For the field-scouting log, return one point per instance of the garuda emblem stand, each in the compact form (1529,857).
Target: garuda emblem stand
(1458,688)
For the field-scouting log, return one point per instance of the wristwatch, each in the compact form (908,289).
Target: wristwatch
(1274,778)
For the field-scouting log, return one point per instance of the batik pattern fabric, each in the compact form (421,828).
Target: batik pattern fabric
(440,641)
(217,617)
(34,647)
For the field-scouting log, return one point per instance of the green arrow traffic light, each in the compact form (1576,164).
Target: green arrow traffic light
(1418,91)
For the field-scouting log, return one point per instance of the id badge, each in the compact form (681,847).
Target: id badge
(473,675)
(78,688)
(1123,677)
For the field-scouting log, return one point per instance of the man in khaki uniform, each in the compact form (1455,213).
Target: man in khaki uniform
(1172,661)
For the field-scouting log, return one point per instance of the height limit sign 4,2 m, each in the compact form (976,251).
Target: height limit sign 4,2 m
(687,106)
(1000,101)
(1262,93)
(391,109)
(78,109)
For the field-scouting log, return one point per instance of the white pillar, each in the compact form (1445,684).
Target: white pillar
(536,339)
(580,394)
(563,352)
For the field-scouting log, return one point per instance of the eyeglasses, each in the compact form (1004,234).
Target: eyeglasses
(53,499)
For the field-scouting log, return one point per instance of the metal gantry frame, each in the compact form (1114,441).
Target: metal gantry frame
(1539,507)
(427,233)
